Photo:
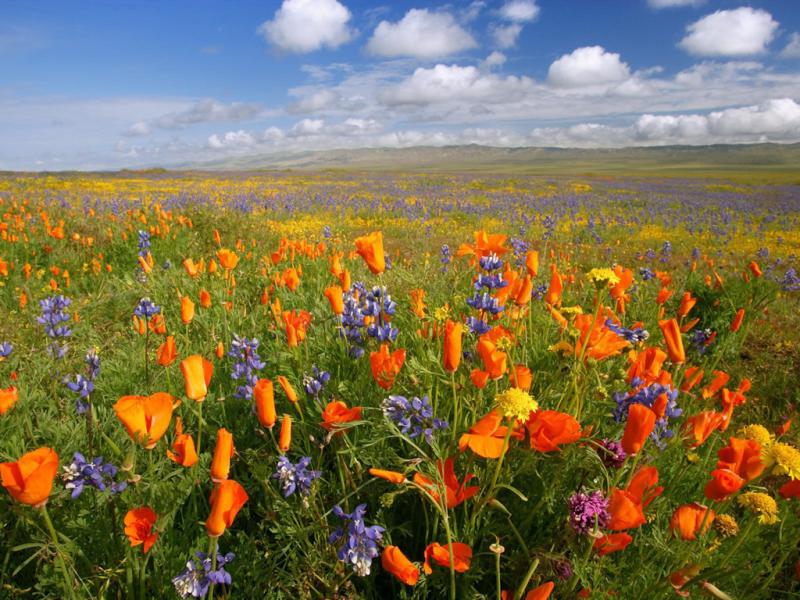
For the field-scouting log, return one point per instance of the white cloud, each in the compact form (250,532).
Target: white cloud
(495,59)
(202,111)
(588,66)
(505,36)
(519,10)
(792,49)
(739,32)
(672,3)
(302,26)
(231,139)
(420,34)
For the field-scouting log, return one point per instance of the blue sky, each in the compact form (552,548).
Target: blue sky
(115,83)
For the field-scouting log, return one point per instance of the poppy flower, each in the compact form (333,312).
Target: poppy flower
(205,299)
(646,365)
(724,482)
(790,489)
(720,379)
(736,324)
(532,263)
(755,269)
(485,244)
(183,451)
(687,520)
(390,476)
(264,395)
(192,269)
(664,294)
(549,429)
(140,527)
(486,437)
(521,377)
(167,353)
(285,437)
(673,340)
(227,499)
(452,345)
(197,373)
(494,360)
(743,457)
(625,509)
(139,325)
(418,302)
(395,562)
(599,341)
(290,278)
(641,421)
(336,298)
(541,592)
(612,542)
(462,557)
(145,417)
(223,452)
(337,413)
(187,310)
(8,398)
(698,427)
(553,294)
(625,277)
(456,492)
(158,324)
(291,395)
(296,323)
(691,377)
(29,480)
(370,248)
(687,304)
(644,487)
(385,366)
(227,258)
(479,378)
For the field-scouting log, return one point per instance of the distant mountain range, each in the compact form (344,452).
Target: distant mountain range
(722,157)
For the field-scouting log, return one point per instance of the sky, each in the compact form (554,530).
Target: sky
(106,84)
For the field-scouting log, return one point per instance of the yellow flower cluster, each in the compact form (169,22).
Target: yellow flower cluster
(762,504)
(516,403)
(757,433)
(786,459)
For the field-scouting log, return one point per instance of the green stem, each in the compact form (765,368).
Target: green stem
(212,552)
(526,580)
(59,556)
(497,575)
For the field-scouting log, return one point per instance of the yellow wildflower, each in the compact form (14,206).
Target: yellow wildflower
(762,504)
(757,433)
(516,403)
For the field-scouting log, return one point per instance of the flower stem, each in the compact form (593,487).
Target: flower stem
(59,556)
(526,580)
(212,551)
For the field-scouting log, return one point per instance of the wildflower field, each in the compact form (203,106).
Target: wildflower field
(365,385)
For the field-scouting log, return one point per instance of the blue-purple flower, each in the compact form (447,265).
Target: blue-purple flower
(413,417)
(96,473)
(587,511)
(199,575)
(245,352)
(359,542)
(295,477)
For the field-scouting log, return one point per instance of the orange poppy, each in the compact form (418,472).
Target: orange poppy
(646,365)
(599,340)
(486,437)
(485,244)
(167,353)
(140,527)
(197,373)
(644,486)
(158,324)
(385,366)
(673,340)
(452,345)
(743,457)
(755,269)
(205,299)
(736,324)
(641,421)
(663,295)
(687,304)
(395,562)
(145,417)
(183,451)
(687,520)
(618,290)
(521,377)
(698,427)
(724,482)
(337,413)
(790,489)
(227,258)
(541,592)
(549,429)
(285,437)
(227,499)
(291,395)
(8,398)
(553,294)
(612,542)
(691,377)
(264,394)
(462,557)
(335,297)
(625,509)
(456,492)
(418,302)
(192,269)
(219,351)
(187,310)
(296,323)
(30,479)
(719,381)
(223,452)
(370,248)
(390,476)
(494,360)
(479,378)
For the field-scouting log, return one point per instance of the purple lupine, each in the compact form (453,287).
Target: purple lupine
(359,542)
(197,577)
(96,473)
(413,417)
(295,477)
(247,365)
(587,511)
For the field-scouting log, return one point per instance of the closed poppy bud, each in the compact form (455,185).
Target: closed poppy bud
(146,418)
(227,499)
(452,345)
(158,324)
(532,263)
(541,592)
(521,377)
(344,279)
(223,451)
(336,299)
(698,427)
(724,482)
(687,303)
(285,437)
(219,351)
(291,395)
(264,395)
(692,377)
(641,421)
(144,264)
(29,480)
(553,294)
(197,373)
(479,378)
(673,340)
(166,352)
(187,310)
(370,248)
(183,451)
(613,542)
(8,398)
(212,266)
(205,299)
(755,269)
(395,562)
(390,476)
(523,296)
(688,519)
(736,324)
(140,527)
(139,325)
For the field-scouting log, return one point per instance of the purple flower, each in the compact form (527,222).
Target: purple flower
(316,381)
(54,312)
(587,511)
(96,474)
(359,542)
(648,395)
(612,454)
(634,336)
(195,579)
(144,243)
(413,417)
(5,350)
(297,477)
(146,308)
(247,365)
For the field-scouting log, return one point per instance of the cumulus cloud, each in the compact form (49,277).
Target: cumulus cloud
(520,11)
(588,66)
(739,32)
(231,139)
(792,49)
(495,59)
(420,34)
(672,3)
(505,36)
(203,111)
(302,26)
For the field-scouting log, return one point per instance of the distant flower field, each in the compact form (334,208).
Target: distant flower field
(347,385)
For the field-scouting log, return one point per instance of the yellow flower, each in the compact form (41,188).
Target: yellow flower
(786,459)
(571,310)
(757,433)
(516,403)
(763,505)
(602,277)
(726,525)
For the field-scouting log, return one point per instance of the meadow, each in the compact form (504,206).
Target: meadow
(344,384)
